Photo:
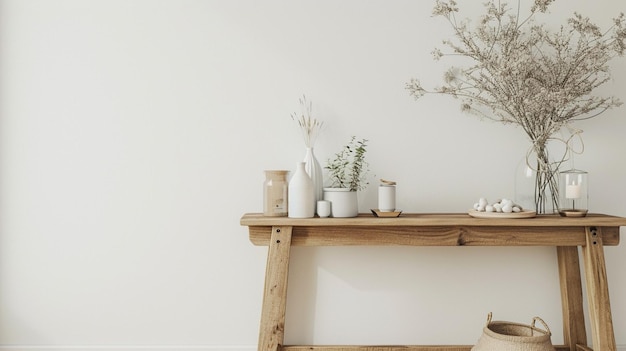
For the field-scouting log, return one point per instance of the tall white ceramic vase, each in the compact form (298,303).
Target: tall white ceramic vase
(301,195)
(314,170)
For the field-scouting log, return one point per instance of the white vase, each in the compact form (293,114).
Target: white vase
(314,170)
(343,202)
(301,197)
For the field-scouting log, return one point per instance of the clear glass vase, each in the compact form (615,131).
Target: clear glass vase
(537,182)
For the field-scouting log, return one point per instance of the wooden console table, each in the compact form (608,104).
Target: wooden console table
(591,233)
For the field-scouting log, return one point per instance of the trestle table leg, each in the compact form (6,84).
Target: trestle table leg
(272,331)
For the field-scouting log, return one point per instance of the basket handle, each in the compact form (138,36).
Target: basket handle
(489,319)
(542,322)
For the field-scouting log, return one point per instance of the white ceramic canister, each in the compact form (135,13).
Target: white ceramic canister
(386,198)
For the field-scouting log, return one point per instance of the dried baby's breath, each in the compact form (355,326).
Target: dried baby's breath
(525,74)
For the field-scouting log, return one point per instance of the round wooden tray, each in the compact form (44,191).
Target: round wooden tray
(378,213)
(523,214)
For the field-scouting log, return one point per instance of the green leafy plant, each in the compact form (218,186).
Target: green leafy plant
(348,169)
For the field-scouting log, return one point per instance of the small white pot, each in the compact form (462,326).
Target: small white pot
(344,202)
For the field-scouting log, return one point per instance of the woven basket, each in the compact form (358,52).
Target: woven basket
(499,336)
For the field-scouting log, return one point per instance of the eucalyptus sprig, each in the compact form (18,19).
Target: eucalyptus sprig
(348,169)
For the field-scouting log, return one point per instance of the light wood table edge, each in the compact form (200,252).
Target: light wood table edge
(436,219)
(397,348)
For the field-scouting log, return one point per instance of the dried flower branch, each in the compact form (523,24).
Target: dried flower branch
(309,126)
(526,75)
(523,73)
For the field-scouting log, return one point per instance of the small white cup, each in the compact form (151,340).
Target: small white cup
(323,208)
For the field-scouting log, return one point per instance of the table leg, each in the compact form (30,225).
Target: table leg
(598,291)
(272,331)
(574,332)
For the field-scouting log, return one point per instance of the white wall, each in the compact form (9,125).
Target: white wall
(134,134)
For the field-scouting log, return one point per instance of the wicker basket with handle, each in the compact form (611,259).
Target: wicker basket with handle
(500,335)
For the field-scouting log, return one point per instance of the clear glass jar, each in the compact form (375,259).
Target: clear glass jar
(275,193)
(573,193)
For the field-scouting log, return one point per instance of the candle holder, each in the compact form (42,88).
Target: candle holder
(573,193)
(387,196)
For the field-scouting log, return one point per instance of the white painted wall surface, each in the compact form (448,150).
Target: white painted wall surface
(134,134)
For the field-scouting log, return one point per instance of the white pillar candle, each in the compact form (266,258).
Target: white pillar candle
(387,198)
(572,191)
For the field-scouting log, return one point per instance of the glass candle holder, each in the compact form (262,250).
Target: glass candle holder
(573,193)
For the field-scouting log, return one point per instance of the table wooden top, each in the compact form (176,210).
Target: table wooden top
(437,219)
(437,229)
